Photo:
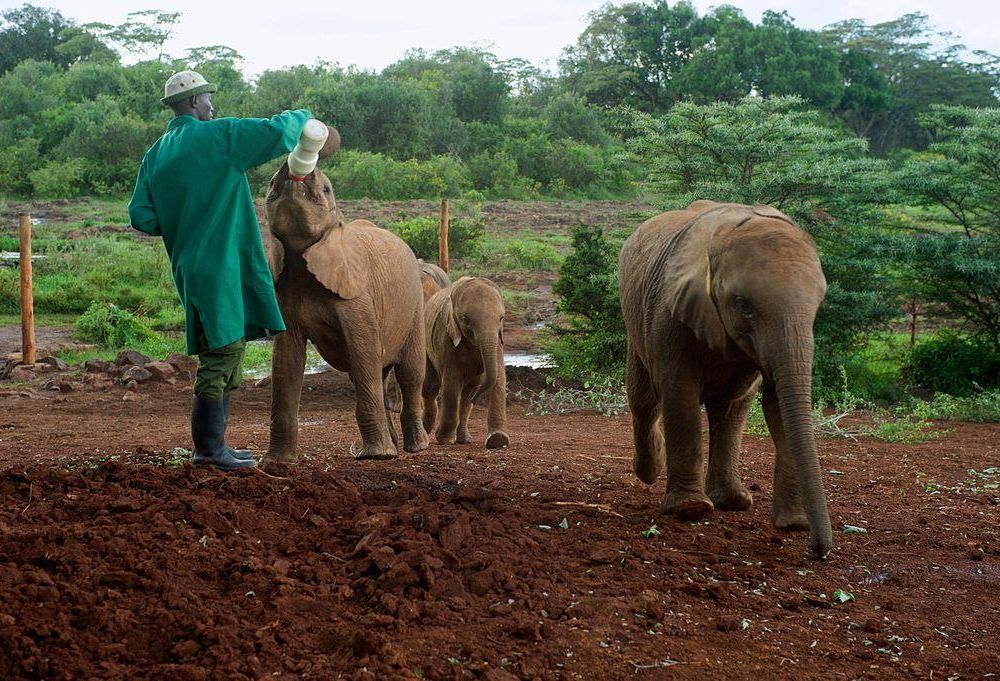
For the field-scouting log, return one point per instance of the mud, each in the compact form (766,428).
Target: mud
(118,560)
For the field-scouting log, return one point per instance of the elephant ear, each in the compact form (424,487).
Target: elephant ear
(451,323)
(687,278)
(275,256)
(771,212)
(336,262)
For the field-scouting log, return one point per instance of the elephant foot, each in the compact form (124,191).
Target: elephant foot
(445,437)
(686,505)
(790,520)
(497,440)
(730,497)
(279,457)
(647,466)
(416,442)
(463,437)
(377,452)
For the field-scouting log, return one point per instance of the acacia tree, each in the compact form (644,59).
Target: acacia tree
(776,152)
(958,267)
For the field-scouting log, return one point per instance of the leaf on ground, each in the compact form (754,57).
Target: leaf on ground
(651,532)
(854,529)
(841,596)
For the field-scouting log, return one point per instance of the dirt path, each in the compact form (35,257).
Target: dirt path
(460,563)
(47,338)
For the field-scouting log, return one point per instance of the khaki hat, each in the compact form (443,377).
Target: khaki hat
(185,84)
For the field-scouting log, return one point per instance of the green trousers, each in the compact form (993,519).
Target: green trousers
(220,370)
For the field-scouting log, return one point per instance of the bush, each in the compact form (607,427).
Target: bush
(954,364)
(112,327)
(357,175)
(591,340)
(421,233)
(59,179)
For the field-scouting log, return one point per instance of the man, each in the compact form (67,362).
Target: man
(192,190)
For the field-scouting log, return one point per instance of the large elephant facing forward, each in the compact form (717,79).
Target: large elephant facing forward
(719,299)
(354,291)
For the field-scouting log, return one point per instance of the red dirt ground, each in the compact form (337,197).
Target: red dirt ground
(116,564)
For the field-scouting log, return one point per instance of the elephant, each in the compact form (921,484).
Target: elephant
(464,325)
(432,279)
(353,290)
(719,300)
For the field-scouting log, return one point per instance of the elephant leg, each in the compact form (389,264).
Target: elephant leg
(462,435)
(389,406)
(430,390)
(409,372)
(447,426)
(496,414)
(787,509)
(288,364)
(681,418)
(725,434)
(369,390)
(648,457)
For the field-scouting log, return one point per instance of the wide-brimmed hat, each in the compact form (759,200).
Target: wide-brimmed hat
(185,84)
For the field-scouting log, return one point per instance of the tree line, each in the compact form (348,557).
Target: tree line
(75,117)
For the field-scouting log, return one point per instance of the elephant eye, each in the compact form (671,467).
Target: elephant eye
(743,306)
(326,189)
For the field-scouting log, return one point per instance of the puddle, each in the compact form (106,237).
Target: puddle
(316,364)
(525,359)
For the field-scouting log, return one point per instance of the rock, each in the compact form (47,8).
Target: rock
(53,364)
(137,374)
(58,384)
(131,357)
(161,371)
(131,396)
(185,366)
(98,366)
(22,373)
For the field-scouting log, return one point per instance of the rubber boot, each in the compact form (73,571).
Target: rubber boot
(208,430)
(244,454)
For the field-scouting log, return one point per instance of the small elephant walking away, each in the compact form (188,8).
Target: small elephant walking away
(353,290)
(719,300)
(464,324)
(432,279)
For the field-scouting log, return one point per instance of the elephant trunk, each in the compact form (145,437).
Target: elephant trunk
(793,383)
(488,348)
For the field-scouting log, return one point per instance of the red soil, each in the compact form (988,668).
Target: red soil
(436,565)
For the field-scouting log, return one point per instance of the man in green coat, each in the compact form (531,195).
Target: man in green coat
(192,190)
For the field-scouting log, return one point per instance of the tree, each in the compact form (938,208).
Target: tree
(31,32)
(775,152)
(633,54)
(957,267)
(918,75)
(143,33)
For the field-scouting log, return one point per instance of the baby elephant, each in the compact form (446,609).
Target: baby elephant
(465,357)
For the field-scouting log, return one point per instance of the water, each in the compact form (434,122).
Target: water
(316,364)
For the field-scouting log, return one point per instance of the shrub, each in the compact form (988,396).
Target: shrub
(357,175)
(954,364)
(421,233)
(112,327)
(591,340)
(59,179)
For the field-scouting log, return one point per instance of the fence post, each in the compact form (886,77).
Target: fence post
(27,298)
(443,237)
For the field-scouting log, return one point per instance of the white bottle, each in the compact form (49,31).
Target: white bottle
(305,155)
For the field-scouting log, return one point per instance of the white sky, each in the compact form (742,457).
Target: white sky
(376,33)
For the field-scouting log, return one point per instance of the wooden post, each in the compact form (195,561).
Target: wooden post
(443,237)
(27,299)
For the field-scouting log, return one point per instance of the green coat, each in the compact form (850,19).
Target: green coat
(192,190)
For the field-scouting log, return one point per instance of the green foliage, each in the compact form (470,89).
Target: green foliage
(503,255)
(982,407)
(958,267)
(358,174)
(590,339)
(421,233)
(112,327)
(954,364)
(59,179)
